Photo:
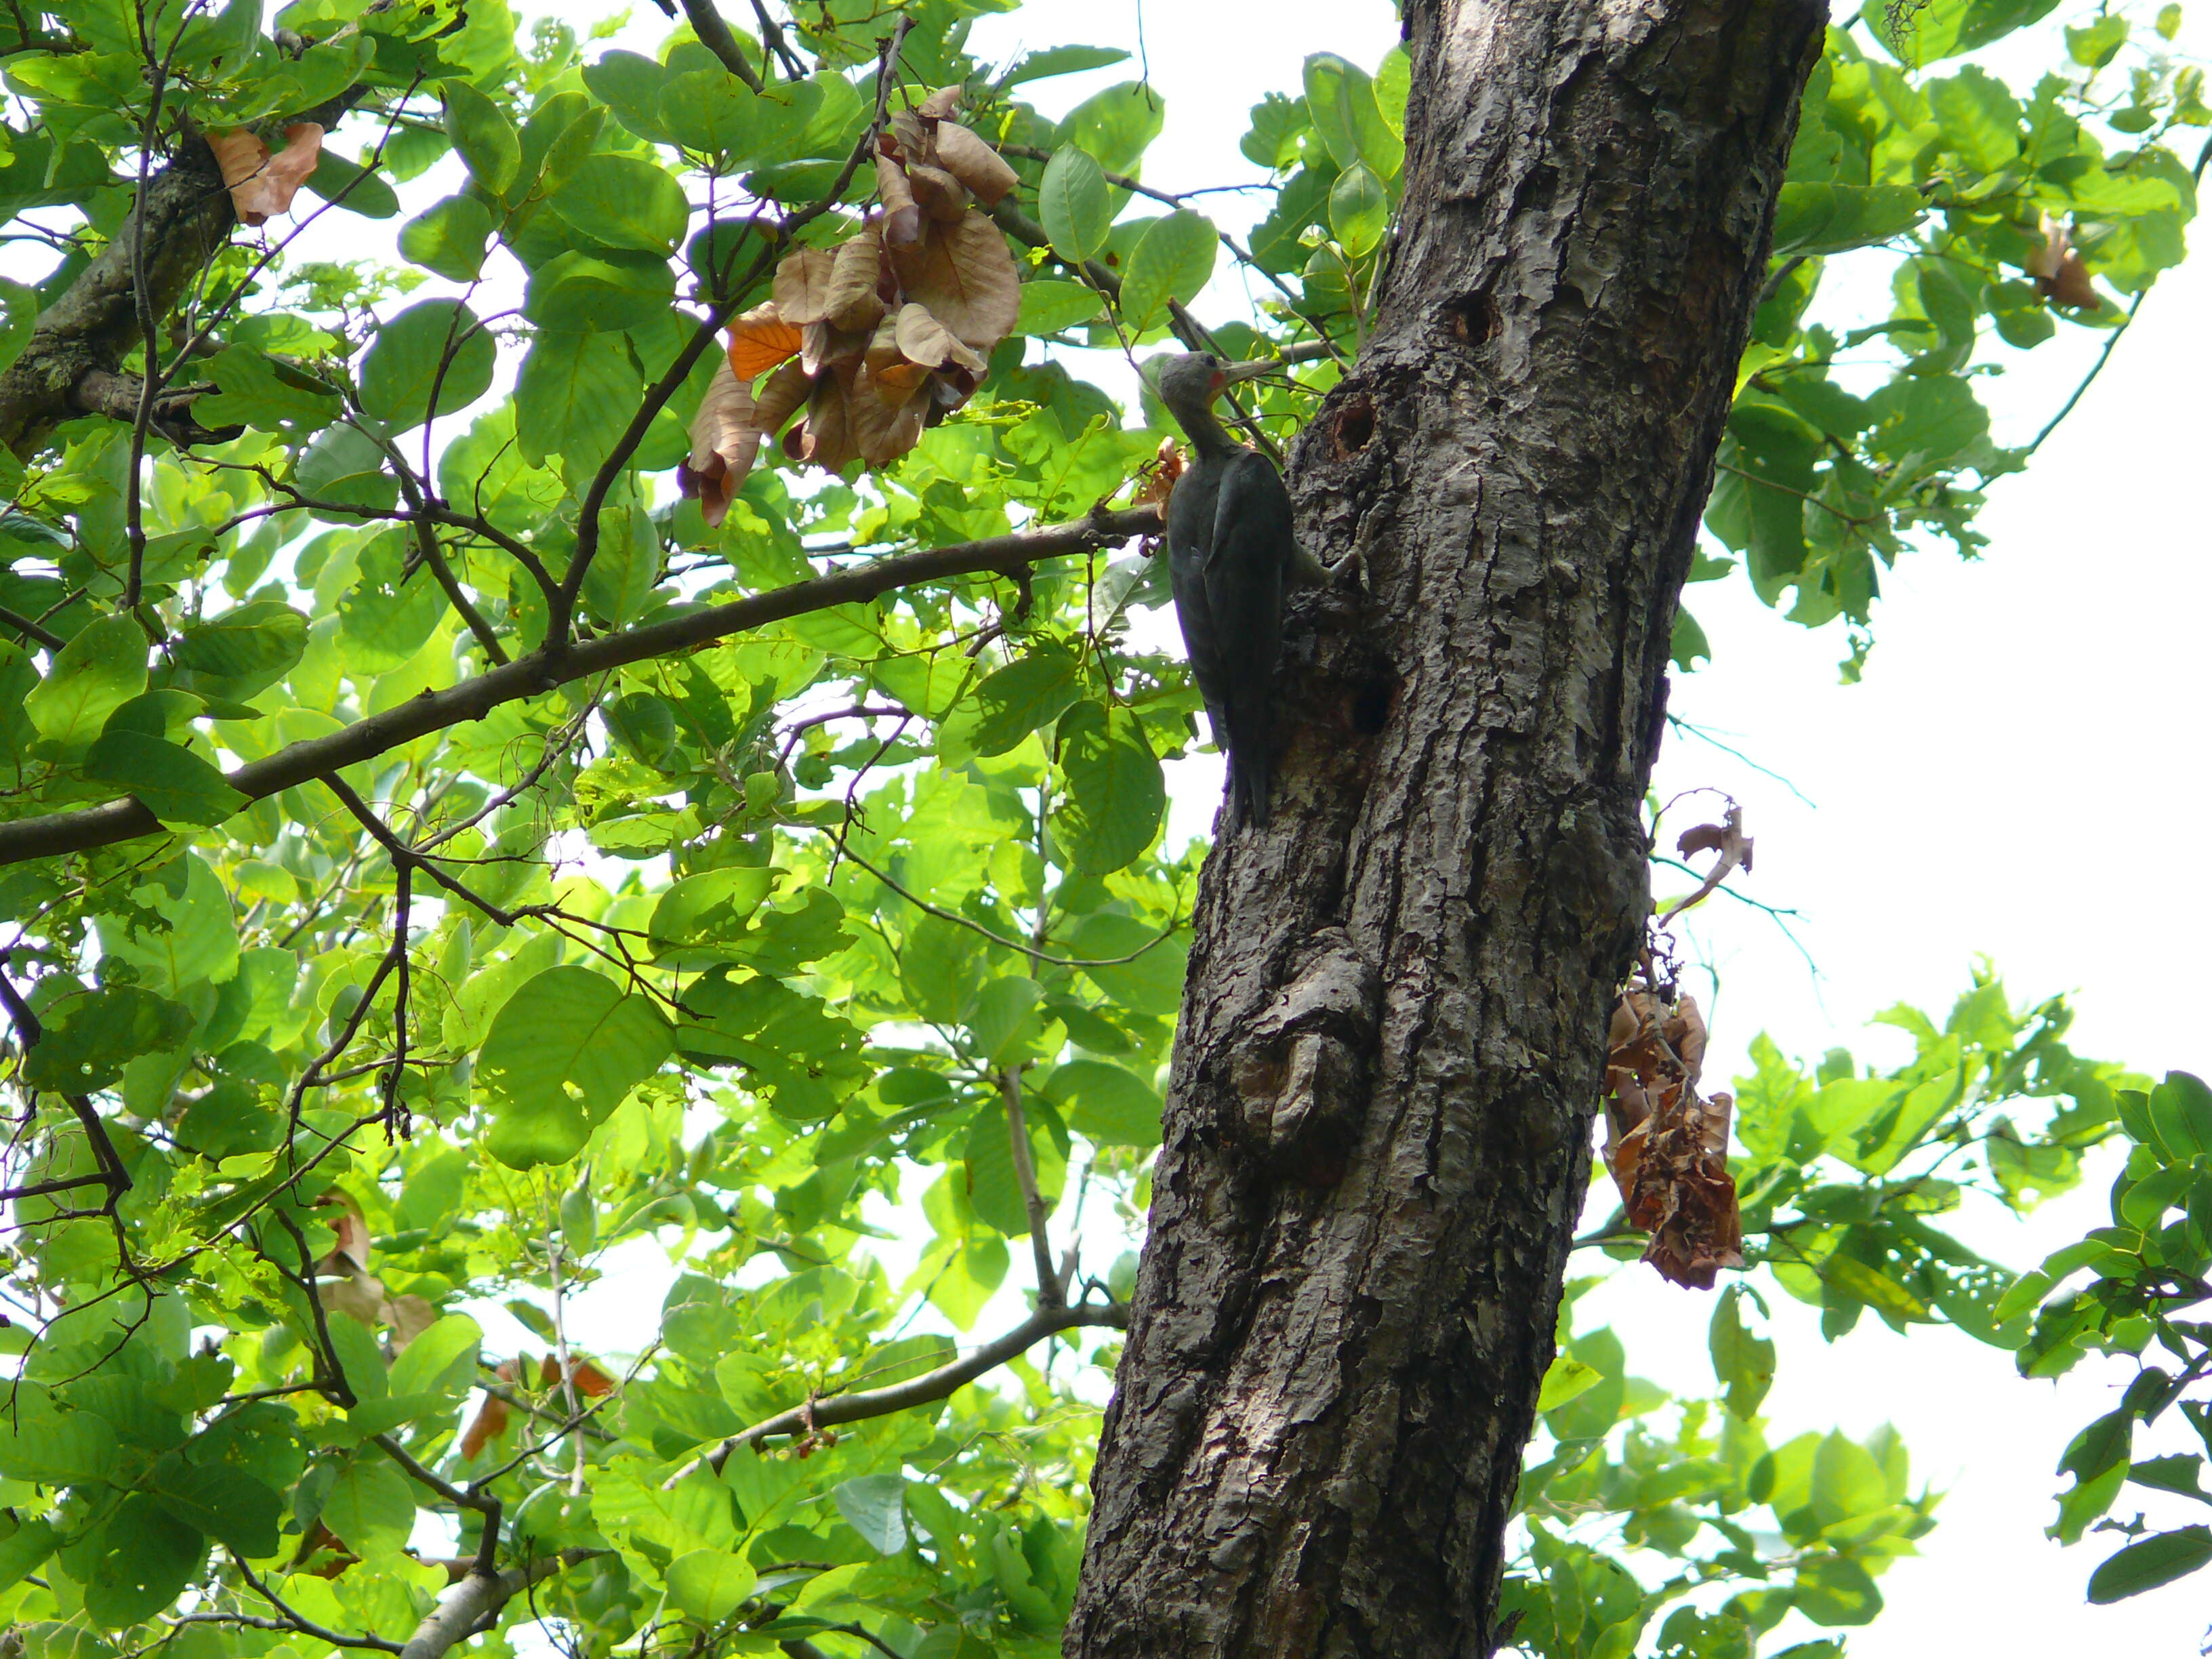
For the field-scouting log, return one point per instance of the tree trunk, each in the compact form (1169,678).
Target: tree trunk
(1377,1138)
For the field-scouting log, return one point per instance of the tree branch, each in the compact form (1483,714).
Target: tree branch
(56,833)
(714,34)
(929,1387)
(1050,1293)
(469,1605)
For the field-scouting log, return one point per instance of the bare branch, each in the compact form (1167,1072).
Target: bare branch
(1050,1292)
(56,833)
(474,1601)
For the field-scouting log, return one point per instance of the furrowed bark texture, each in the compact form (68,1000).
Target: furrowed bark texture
(1379,1124)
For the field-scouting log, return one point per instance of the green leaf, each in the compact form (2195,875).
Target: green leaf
(147,1557)
(1173,260)
(49,1444)
(1074,205)
(1744,1362)
(1115,792)
(169,781)
(448,237)
(1565,1379)
(1358,209)
(89,1038)
(624,202)
(709,907)
(1834,1589)
(229,1505)
(710,1585)
(94,675)
(1048,306)
(433,347)
(1060,60)
(1107,1105)
(441,1360)
(349,185)
(370,1506)
(561,1056)
(1822,218)
(1151,982)
(28,1543)
(1115,126)
(1979,117)
(1917,35)
(575,397)
(1342,99)
(576,291)
(1847,1481)
(1021,696)
(874,1506)
(1000,1016)
(2149,1562)
(629,84)
(258,390)
(2181,1115)
(713,112)
(482,134)
(248,648)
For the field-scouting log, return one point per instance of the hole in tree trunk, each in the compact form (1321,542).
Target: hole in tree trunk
(1473,319)
(1355,425)
(1370,707)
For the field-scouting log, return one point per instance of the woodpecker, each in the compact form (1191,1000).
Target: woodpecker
(1232,552)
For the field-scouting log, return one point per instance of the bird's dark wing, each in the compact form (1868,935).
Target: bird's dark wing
(1190,543)
(1245,568)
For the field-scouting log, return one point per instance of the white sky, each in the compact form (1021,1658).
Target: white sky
(2015,777)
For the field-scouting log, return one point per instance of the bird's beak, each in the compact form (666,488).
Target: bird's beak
(1251,371)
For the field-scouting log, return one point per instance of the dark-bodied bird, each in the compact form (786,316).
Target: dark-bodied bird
(1230,555)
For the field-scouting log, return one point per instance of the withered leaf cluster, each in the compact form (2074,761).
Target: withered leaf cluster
(262,185)
(2058,269)
(1666,1144)
(879,337)
(493,1416)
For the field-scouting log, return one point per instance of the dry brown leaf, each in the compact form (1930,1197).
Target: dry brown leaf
(2058,269)
(1727,839)
(779,399)
(906,138)
(591,1381)
(490,1423)
(759,340)
(1666,1146)
(942,196)
(262,185)
(855,300)
(940,104)
(886,421)
(825,345)
(357,1295)
(409,1315)
(350,1254)
(802,284)
(963,273)
(973,163)
(723,444)
(825,436)
(1158,476)
(902,220)
(922,340)
(321,1554)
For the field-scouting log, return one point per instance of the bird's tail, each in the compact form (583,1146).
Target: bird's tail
(1248,779)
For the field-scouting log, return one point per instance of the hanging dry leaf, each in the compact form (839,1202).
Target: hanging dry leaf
(963,272)
(886,423)
(973,163)
(490,1423)
(906,139)
(349,1255)
(409,1316)
(824,345)
(1667,1147)
(824,437)
(2058,269)
(902,220)
(591,1381)
(940,104)
(723,444)
(262,185)
(941,195)
(802,284)
(759,339)
(357,1295)
(855,300)
(779,398)
(922,340)
(1727,838)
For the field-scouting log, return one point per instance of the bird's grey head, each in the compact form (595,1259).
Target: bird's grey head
(1190,383)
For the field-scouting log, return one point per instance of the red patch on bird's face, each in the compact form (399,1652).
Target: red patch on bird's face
(1220,379)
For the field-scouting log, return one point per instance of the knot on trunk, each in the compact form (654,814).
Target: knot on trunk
(1300,1066)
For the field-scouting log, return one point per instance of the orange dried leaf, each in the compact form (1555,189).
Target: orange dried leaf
(759,340)
(591,1381)
(963,273)
(973,163)
(802,285)
(486,1425)
(262,185)
(723,444)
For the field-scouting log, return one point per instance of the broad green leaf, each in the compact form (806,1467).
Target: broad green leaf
(1115,126)
(1566,1378)
(370,1506)
(147,1556)
(629,84)
(258,390)
(710,906)
(1822,218)
(175,785)
(1107,1105)
(440,1360)
(27,1544)
(1061,60)
(1115,792)
(1025,694)
(485,137)
(43,1440)
(1342,99)
(192,937)
(229,1506)
(576,291)
(255,642)
(1073,204)
(1358,209)
(2149,1562)
(574,397)
(1049,306)
(1835,1590)
(625,201)
(435,348)
(93,675)
(349,185)
(561,1056)
(1173,261)
(448,237)
(710,1585)
(1744,1362)
(1917,35)
(874,1506)
(2181,1116)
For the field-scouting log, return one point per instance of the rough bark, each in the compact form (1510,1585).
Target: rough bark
(1377,1138)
